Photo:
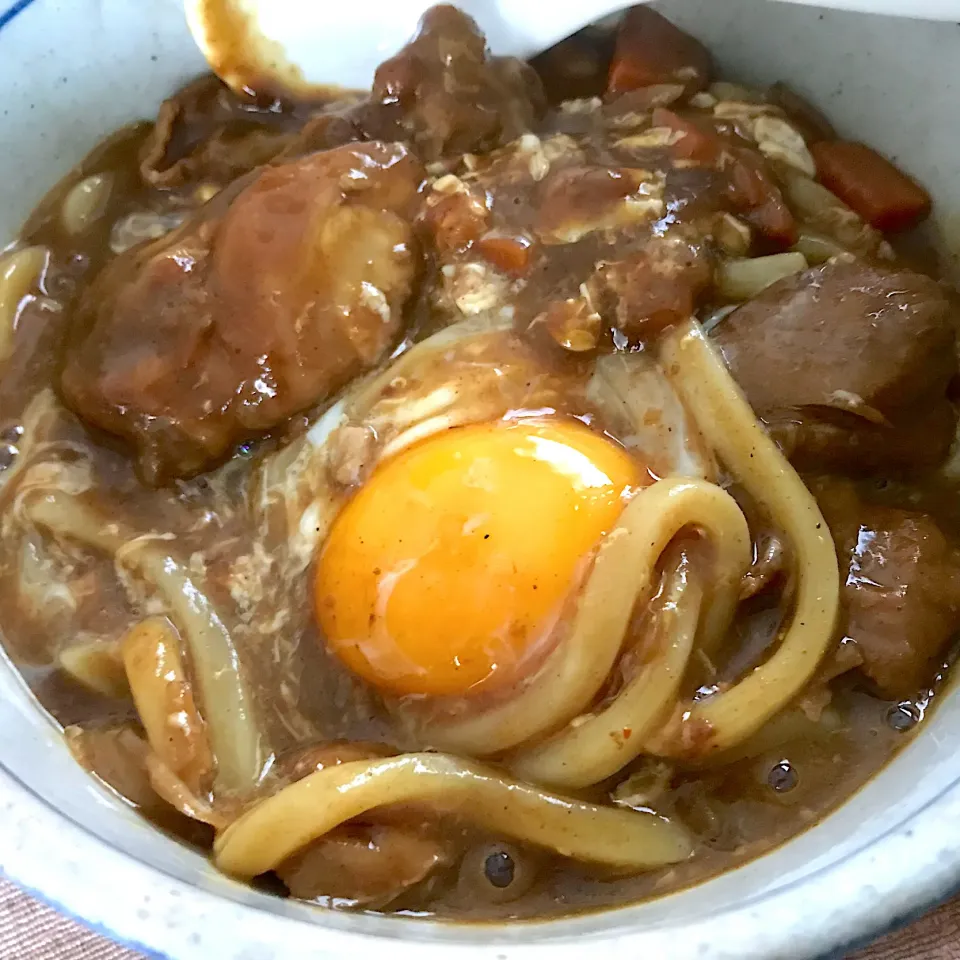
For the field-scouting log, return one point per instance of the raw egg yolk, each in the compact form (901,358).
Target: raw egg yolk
(452,563)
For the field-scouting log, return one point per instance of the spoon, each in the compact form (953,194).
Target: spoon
(305,47)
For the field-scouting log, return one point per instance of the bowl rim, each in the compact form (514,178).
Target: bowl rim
(898,876)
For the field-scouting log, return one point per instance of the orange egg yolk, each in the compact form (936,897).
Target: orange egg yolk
(450,566)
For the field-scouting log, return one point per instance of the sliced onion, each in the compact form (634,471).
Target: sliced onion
(744,279)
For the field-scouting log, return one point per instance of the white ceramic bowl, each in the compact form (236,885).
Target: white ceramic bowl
(73,70)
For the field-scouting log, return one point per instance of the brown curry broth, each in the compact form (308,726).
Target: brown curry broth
(748,816)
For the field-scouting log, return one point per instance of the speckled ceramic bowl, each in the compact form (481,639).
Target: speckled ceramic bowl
(73,70)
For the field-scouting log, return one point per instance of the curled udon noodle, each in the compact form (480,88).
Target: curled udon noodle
(278,827)
(542,731)
(708,391)
(226,702)
(585,752)
(621,578)
(20,273)
(600,744)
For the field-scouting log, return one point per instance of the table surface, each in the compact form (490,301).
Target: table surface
(35,932)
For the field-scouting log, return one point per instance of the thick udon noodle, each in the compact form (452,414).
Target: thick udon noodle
(679,549)
(270,832)
(216,667)
(705,385)
(623,576)
(600,744)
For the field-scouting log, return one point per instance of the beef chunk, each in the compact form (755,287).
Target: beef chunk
(445,95)
(902,596)
(857,357)
(654,287)
(205,134)
(367,864)
(288,284)
(915,439)
(442,94)
(900,589)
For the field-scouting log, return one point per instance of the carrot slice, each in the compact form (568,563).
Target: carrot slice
(883,195)
(696,144)
(510,253)
(651,50)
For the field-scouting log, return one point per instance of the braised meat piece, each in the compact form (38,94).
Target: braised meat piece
(367,864)
(900,594)
(205,135)
(286,286)
(654,287)
(915,439)
(445,95)
(202,133)
(857,357)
